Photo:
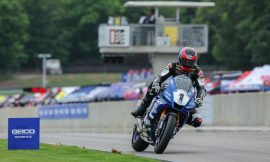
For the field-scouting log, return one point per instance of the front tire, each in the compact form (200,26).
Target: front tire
(165,135)
(138,144)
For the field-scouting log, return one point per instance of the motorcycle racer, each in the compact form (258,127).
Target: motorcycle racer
(187,65)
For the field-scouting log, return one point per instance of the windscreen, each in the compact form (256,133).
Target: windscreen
(183,82)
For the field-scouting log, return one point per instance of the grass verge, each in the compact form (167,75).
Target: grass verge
(61,153)
(32,80)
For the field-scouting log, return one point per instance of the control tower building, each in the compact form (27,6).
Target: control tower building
(161,41)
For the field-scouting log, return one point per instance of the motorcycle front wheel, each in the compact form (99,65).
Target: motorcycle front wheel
(165,134)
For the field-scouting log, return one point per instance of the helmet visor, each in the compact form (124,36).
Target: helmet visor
(188,63)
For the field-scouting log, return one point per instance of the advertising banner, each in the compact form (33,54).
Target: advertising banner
(63,111)
(114,36)
(23,133)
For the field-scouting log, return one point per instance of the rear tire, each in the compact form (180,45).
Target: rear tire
(138,144)
(165,135)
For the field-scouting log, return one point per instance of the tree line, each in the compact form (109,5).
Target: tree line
(65,28)
(239,30)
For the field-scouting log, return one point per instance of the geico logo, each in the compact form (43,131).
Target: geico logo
(23,131)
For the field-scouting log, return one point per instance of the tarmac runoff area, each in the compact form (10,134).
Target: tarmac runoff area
(207,144)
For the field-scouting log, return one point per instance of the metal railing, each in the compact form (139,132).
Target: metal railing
(135,35)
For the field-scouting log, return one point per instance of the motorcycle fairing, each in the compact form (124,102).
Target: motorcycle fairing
(156,106)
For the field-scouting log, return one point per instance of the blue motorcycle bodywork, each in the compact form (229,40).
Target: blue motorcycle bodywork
(165,100)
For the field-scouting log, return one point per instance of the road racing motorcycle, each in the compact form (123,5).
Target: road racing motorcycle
(169,112)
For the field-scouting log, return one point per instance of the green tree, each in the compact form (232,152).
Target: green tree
(239,32)
(47,31)
(258,23)
(66,28)
(82,19)
(13,35)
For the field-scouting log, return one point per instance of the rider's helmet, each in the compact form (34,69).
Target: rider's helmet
(187,58)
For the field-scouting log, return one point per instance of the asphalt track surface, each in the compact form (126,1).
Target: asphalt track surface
(245,146)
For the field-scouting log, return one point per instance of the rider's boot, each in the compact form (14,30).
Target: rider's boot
(195,119)
(141,106)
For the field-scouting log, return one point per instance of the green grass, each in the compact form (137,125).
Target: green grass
(31,80)
(60,153)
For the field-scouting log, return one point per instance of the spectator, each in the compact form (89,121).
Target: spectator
(152,17)
(151,29)
(140,40)
(143,18)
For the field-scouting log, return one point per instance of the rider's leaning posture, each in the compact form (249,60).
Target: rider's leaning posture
(186,65)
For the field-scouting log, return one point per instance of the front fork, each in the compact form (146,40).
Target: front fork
(181,119)
(177,124)
(161,121)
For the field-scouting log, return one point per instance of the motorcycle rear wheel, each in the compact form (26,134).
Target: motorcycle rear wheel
(138,144)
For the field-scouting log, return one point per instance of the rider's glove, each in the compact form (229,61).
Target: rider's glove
(198,102)
(155,88)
